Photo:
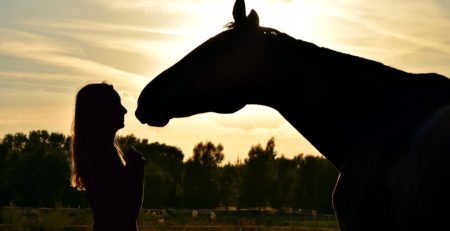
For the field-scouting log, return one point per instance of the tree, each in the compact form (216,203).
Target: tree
(128,141)
(200,179)
(229,178)
(11,146)
(35,170)
(163,174)
(283,190)
(258,176)
(314,183)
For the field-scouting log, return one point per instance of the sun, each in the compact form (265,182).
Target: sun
(296,18)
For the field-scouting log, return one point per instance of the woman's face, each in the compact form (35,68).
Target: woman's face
(118,112)
(113,112)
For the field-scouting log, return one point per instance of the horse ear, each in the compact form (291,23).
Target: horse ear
(253,18)
(239,12)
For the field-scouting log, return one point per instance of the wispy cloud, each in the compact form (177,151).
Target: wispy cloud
(41,49)
(383,30)
(74,26)
(146,48)
(4,120)
(57,83)
(173,6)
(251,117)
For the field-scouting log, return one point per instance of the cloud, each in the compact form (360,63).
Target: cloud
(444,5)
(197,17)
(250,117)
(81,26)
(57,83)
(41,49)
(8,122)
(381,30)
(145,49)
(173,6)
(417,22)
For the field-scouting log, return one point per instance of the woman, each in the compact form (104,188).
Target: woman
(113,180)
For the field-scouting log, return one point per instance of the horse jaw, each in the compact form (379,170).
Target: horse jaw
(157,123)
(229,109)
(155,118)
(151,119)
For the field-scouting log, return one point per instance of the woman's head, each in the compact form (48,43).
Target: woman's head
(98,111)
(98,115)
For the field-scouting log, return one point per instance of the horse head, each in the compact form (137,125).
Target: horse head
(214,77)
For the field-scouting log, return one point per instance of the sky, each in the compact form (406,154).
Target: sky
(50,49)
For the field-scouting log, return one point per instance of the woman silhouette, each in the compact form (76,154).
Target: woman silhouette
(112,179)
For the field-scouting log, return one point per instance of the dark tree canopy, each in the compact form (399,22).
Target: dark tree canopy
(34,171)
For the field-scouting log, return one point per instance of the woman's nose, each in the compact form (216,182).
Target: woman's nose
(124,110)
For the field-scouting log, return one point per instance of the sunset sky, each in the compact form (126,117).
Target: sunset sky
(49,49)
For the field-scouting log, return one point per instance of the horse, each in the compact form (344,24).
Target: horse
(386,131)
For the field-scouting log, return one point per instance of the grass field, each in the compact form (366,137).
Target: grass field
(73,219)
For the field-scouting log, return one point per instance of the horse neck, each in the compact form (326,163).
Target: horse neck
(334,100)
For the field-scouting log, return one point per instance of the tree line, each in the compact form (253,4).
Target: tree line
(35,170)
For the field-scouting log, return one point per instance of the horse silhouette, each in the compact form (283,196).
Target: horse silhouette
(387,131)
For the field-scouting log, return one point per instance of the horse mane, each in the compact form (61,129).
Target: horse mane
(336,57)
(264,30)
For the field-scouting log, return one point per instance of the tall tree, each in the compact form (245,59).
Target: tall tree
(163,174)
(200,181)
(258,176)
(229,178)
(314,182)
(11,148)
(283,190)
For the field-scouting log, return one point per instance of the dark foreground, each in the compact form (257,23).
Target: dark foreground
(72,219)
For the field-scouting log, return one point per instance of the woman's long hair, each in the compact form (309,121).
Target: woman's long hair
(89,129)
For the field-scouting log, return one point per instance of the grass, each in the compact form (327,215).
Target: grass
(73,219)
